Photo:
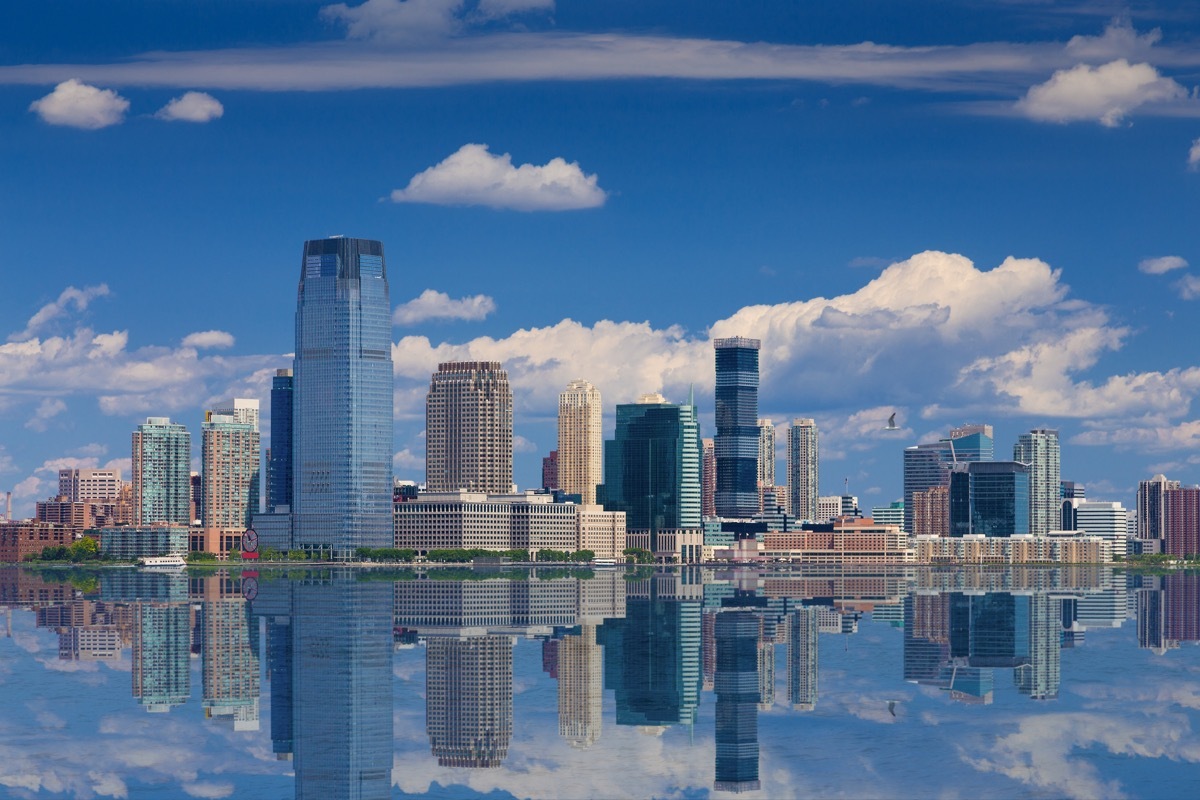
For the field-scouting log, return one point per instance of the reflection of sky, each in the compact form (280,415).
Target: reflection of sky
(1125,724)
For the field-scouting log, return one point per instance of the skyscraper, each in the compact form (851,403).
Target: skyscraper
(342,418)
(708,478)
(989,498)
(766,452)
(1107,520)
(972,443)
(162,456)
(802,454)
(1039,449)
(580,440)
(652,466)
(279,468)
(468,428)
(736,441)
(1151,505)
(229,479)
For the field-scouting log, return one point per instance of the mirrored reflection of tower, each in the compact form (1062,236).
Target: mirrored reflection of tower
(766,668)
(1041,676)
(468,696)
(802,659)
(342,676)
(736,684)
(161,671)
(229,656)
(580,687)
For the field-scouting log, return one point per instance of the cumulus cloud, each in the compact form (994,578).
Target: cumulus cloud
(406,459)
(1106,93)
(1157,266)
(472,176)
(48,409)
(432,304)
(191,107)
(1194,155)
(207,340)
(78,105)
(397,20)
(70,297)
(1188,287)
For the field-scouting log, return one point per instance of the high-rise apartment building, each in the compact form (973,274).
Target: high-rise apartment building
(1151,506)
(802,455)
(342,401)
(1040,450)
(708,478)
(229,479)
(162,455)
(930,512)
(766,452)
(550,471)
(736,441)
(652,466)
(77,485)
(242,409)
(279,463)
(1181,521)
(469,428)
(580,440)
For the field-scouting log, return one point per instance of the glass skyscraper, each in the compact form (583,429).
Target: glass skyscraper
(736,441)
(162,483)
(342,402)
(279,470)
(989,498)
(1039,449)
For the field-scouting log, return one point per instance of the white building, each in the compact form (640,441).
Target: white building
(802,478)
(1106,520)
(580,441)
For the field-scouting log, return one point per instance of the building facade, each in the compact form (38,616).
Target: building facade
(580,440)
(468,428)
(229,478)
(342,399)
(802,477)
(990,498)
(766,452)
(736,442)
(77,485)
(1151,506)
(279,463)
(162,458)
(1039,448)
(708,478)
(1105,520)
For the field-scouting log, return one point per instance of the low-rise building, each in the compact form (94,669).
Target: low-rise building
(137,541)
(1020,549)
(847,540)
(19,539)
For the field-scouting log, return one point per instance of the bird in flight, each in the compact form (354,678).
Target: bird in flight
(891,423)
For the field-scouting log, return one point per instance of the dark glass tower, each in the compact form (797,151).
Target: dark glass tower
(279,490)
(342,407)
(736,441)
(736,685)
(989,498)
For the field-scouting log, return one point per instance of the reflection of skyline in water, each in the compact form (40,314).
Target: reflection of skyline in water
(653,645)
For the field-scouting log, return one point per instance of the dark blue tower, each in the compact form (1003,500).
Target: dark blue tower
(279,490)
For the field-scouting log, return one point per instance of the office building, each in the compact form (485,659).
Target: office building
(652,467)
(891,514)
(243,410)
(550,471)
(342,400)
(468,428)
(1106,520)
(1151,507)
(708,478)
(829,507)
(972,443)
(766,452)
(229,478)
(736,442)
(78,485)
(1070,495)
(1039,449)
(580,441)
(279,461)
(162,456)
(989,498)
(802,477)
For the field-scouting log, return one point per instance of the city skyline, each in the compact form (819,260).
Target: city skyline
(856,214)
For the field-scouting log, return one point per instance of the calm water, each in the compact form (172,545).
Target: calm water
(453,683)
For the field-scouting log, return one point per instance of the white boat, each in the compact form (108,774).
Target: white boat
(171,560)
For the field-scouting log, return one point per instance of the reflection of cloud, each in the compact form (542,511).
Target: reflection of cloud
(208,790)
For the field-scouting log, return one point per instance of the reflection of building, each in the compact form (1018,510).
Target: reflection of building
(802,658)
(580,687)
(469,696)
(229,655)
(342,399)
(737,439)
(736,685)
(1181,607)
(161,671)
(990,498)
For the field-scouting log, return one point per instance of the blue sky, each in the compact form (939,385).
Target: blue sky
(596,190)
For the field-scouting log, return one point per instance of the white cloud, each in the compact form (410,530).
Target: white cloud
(1194,155)
(78,105)
(397,20)
(208,789)
(79,298)
(523,445)
(497,9)
(432,304)
(406,459)
(1119,40)
(191,107)
(1157,266)
(473,176)
(48,409)
(1188,287)
(1106,93)
(205,340)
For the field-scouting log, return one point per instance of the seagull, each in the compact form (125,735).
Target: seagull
(892,706)
(891,424)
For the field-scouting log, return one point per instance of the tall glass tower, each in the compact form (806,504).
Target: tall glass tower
(1039,449)
(737,426)
(162,457)
(279,469)
(342,401)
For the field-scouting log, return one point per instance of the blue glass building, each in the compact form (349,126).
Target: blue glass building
(736,442)
(342,406)
(737,690)
(279,486)
(989,498)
